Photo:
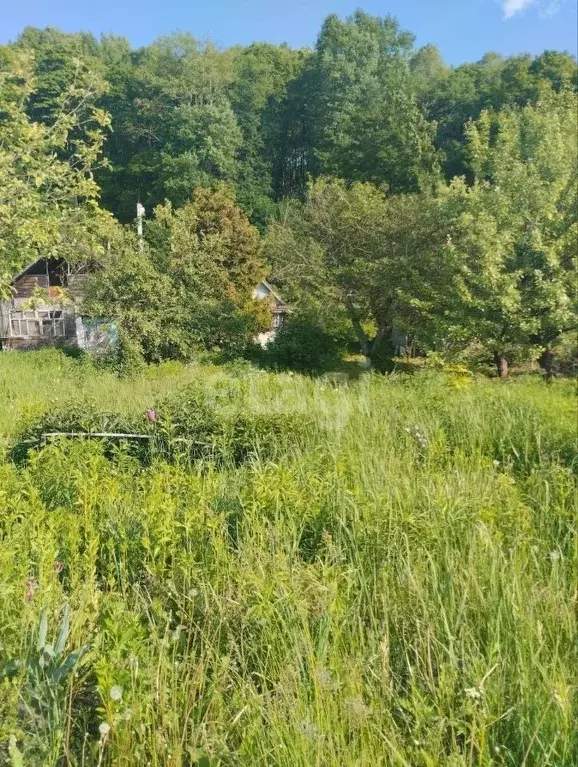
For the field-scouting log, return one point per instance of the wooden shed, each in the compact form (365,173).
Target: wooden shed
(32,318)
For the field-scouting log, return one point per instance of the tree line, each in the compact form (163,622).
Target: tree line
(377,186)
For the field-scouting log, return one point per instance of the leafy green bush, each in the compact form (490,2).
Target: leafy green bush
(565,355)
(193,424)
(74,417)
(212,425)
(307,342)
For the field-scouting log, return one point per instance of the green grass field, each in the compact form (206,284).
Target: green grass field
(393,582)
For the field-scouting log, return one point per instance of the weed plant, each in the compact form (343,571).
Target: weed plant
(384,574)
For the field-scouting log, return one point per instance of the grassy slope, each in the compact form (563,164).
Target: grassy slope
(401,591)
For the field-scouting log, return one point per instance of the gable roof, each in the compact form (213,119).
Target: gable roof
(272,290)
(26,268)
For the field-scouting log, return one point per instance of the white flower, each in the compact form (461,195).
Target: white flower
(115,692)
(555,555)
(473,692)
(357,709)
(310,731)
(104,729)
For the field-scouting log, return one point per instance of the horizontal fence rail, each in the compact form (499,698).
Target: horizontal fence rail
(96,434)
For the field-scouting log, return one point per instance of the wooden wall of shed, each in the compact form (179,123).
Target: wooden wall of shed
(24,286)
(76,283)
(4,318)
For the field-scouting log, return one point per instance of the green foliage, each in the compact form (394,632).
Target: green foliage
(177,128)
(259,94)
(307,342)
(396,585)
(46,673)
(511,242)
(191,425)
(364,105)
(77,417)
(530,160)
(189,286)
(565,355)
(366,120)
(58,60)
(195,426)
(44,169)
(491,264)
(371,256)
(453,97)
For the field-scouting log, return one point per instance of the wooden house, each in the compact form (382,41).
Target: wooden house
(32,318)
(278,307)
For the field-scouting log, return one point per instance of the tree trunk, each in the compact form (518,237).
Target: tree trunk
(369,346)
(546,362)
(501,366)
(364,342)
(378,340)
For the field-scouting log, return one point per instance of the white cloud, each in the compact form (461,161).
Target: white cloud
(512,7)
(549,9)
(545,7)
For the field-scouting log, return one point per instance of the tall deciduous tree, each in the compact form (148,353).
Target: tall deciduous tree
(48,196)
(179,131)
(376,257)
(510,253)
(190,284)
(526,165)
(368,125)
(492,83)
(259,97)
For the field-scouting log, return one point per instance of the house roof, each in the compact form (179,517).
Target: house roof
(272,290)
(30,265)
(268,285)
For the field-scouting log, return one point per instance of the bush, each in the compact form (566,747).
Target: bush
(307,342)
(565,362)
(214,425)
(77,417)
(192,425)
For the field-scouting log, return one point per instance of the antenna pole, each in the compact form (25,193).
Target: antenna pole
(140,214)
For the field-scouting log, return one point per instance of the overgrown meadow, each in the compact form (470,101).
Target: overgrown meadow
(288,571)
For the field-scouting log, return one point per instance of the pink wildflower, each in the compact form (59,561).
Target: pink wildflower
(31,587)
(151,415)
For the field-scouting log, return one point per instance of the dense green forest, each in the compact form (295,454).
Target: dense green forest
(378,187)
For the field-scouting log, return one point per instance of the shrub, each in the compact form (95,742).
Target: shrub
(307,342)
(565,355)
(77,417)
(194,424)
(213,425)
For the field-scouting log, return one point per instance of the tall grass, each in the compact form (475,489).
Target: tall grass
(398,588)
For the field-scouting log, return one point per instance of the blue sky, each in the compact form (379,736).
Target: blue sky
(463,29)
